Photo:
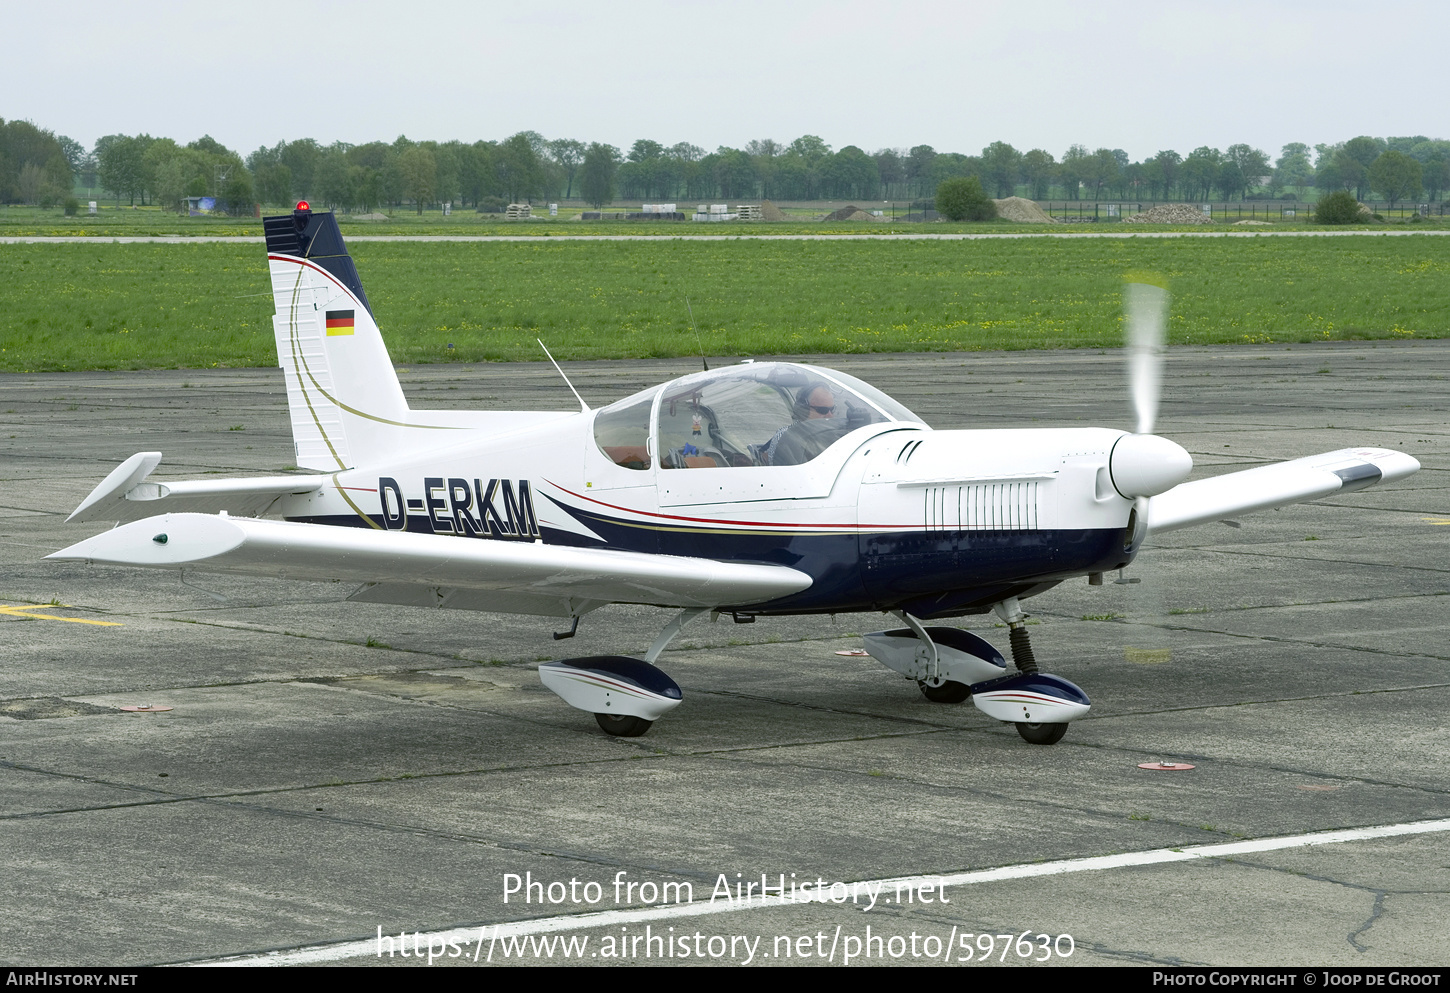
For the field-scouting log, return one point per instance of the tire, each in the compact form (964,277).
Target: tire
(623,725)
(948,692)
(1041,734)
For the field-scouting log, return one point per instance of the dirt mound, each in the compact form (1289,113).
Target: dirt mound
(851,213)
(1171,213)
(770,212)
(1022,211)
(1259,224)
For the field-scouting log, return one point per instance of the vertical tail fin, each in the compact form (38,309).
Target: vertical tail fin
(342,392)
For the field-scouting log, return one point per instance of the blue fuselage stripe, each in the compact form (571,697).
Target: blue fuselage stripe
(936,573)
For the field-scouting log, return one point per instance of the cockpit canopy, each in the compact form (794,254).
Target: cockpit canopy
(753,414)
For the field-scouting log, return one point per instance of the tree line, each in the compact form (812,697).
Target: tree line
(37,166)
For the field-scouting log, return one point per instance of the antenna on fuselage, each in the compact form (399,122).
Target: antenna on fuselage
(582,405)
(697,334)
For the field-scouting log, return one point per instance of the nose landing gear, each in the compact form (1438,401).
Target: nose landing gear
(1026,662)
(623,725)
(1041,734)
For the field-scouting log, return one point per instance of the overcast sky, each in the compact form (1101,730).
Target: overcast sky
(1140,76)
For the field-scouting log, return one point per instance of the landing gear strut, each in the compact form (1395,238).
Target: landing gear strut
(1038,690)
(1010,611)
(943,662)
(625,695)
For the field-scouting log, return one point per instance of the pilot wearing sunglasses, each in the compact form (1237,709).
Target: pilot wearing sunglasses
(815,401)
(818,402)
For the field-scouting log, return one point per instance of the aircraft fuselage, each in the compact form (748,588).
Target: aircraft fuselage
(893,515)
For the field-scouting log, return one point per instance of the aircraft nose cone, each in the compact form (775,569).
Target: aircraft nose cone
(1144,465)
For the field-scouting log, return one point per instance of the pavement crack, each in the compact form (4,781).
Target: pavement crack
(818,708)
(1375,913)
(978,791)
(259,629)
(1279,554)
(1324,603)
(1287,770)
(1277,639)
(910,913)
(1377,909)
(1264,701)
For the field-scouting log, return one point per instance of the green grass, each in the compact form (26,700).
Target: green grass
(79,306)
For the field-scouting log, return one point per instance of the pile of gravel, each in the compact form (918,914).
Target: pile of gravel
(1171,213)
(1022,211)
(851,213)
(770,212)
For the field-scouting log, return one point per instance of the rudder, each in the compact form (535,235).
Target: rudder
(342,391)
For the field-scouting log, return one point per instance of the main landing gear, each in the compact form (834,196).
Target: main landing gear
(950,665)
(625,695)
(948,692)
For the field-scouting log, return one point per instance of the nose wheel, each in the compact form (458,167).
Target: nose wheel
(1041,734)
(624,725)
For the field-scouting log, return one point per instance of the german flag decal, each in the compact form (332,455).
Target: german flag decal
(339,322)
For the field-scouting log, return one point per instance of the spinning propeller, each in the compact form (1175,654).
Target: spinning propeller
(1146,308)
(1142,464)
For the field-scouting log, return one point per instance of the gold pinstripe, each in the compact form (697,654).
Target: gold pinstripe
(342,406)
(689,530)
(355,508)
(298,366)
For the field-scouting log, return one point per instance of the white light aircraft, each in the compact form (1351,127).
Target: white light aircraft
(764,488)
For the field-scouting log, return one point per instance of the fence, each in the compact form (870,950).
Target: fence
(1094,212)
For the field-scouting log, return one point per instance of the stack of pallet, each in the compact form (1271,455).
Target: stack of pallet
(750,212)
(516,212)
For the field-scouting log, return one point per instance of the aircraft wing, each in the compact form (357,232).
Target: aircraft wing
(285,550)
(125,495)
(1279,485)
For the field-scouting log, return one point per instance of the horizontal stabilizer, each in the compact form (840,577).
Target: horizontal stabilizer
(283,550)
(1271,486)
(125,495)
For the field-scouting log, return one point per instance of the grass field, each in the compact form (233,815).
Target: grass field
(78,306)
